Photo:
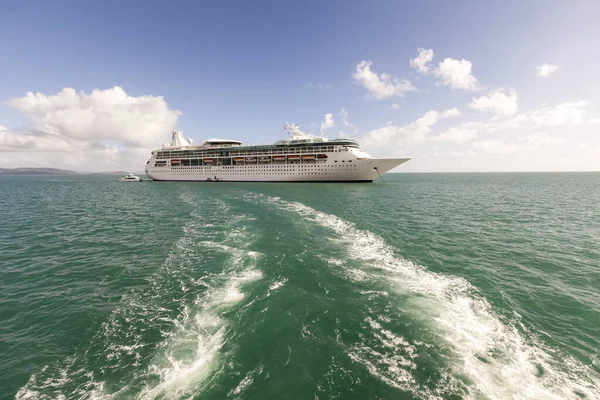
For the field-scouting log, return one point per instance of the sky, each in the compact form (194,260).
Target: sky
(458,86)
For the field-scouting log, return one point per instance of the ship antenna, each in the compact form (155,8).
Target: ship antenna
(293,129)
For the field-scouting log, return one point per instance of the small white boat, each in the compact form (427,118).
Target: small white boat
(131,178)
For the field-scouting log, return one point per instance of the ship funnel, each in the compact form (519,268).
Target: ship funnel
(177,139)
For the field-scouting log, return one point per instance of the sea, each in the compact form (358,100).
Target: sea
(425,286)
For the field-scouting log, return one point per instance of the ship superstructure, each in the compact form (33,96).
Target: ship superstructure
(300,158)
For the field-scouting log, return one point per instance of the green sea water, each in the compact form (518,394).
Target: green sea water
(428,286)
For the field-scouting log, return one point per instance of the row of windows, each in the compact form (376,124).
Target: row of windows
(253,173)
(237,153)
(198,163)
(265,168)
(288,150)
(195,162)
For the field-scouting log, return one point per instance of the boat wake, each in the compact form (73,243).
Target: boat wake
(163,340)
(477,352)
(432,335)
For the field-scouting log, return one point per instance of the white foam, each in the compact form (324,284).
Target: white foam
(501,359)
(191,352)
(53,386)
(245,382)
(276,285)
(184,360)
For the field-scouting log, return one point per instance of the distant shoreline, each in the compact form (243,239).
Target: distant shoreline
(53,171)
(36,171)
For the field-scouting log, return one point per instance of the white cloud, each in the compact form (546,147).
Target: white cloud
(549,138)
(343,113)
(570,113)
(395,106)
(498,102)
(13,141)
(420,62)
(415,132)
(457,134)
(522,128)
(541,139)
(36,103)
(456,74)
(344,116)
(593,121)
(101,131)
(495,147)
(544,70)
(451,112)
(565,114)
(584,146)
(327,123)
(78,120)
(381,86)
(523,144)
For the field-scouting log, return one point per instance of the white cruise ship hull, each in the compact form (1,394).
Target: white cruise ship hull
(301,158)
(357,170)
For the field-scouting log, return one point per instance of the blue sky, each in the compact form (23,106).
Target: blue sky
(240,69)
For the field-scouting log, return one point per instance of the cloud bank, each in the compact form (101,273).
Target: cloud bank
(78,118)
(105,124)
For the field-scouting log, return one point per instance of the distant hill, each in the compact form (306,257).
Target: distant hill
(36,171)
(110,173)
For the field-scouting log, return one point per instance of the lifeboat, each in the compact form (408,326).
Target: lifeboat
(322,156)
(250,159)
(308,157)
(264,158)
(278,158)
(293,158)
(238,159)
(175,163)
(208,160)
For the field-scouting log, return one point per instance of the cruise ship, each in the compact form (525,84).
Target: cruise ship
(299,158)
